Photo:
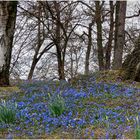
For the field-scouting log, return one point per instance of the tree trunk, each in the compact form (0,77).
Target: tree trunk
(35,60)
(7,26)
(61,71)
(109,46)
(119,34)
(132,63)
(88,48)
(71,63)
(99,35)
(60,57)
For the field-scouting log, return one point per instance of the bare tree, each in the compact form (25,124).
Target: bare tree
(63,28)
(40,40)
(79,45)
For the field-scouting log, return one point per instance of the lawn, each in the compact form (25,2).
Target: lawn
(87,109)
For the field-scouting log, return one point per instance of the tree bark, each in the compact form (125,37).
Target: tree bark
(30,75)
(61,72)
(132,63)
(99,35)
(8,11)
(119,34)
(60,56)
(88,49)
(109,46)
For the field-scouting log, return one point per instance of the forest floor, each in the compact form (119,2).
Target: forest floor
(101,106)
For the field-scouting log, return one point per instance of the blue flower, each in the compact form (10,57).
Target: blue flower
(21,104)
(34,110)
(92,134)
(91,121)
(86,132)
(18,128)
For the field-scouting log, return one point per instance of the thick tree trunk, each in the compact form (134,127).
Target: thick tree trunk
(132,63)
(88,48)
(109,46)
(119,34)
(99,35)
(7,25)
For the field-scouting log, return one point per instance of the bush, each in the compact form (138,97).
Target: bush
(56,105)
(7,113)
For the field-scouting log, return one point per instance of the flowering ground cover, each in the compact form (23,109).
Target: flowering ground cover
(90,110)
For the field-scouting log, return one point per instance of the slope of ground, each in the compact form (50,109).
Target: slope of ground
(94,108)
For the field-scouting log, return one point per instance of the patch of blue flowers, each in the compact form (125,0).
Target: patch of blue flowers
(34,118)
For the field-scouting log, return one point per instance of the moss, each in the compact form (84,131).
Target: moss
(9,89)
(111,76)
(6,92)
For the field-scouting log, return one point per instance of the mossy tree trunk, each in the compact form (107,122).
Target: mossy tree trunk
(132,63)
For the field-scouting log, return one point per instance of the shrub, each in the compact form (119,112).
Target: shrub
(56,105)
(7,113)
